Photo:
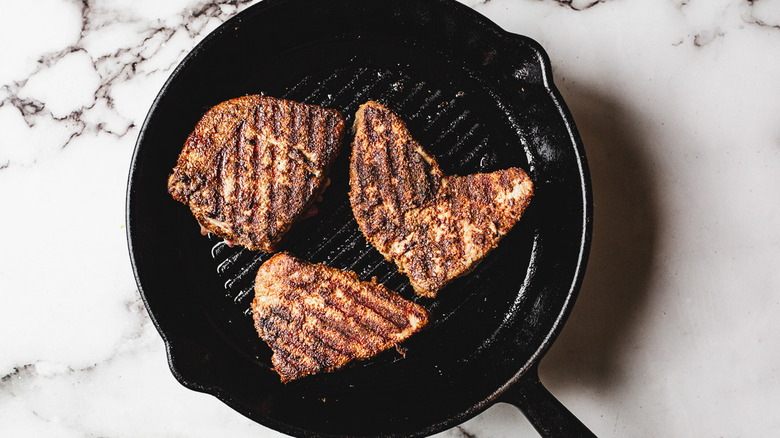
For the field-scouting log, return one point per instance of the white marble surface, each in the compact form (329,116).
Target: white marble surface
(677,329)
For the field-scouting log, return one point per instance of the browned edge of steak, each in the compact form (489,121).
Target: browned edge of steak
(318,319)
(254,165)
(435,227)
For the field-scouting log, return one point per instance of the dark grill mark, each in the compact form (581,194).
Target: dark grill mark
(234,218)
(298,312)
(281,329)
(437,245)
(232,133)
(354,326)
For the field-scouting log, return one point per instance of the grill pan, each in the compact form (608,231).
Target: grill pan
(477,97)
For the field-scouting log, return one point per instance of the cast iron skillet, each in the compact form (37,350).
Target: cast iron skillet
(480,99)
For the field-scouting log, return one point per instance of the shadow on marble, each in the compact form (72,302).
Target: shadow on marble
(499,421)
(596,342)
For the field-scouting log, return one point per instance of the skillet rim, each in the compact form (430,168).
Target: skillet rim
(560,319)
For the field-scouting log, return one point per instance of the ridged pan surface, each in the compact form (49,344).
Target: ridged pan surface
(455,135)
(473,96)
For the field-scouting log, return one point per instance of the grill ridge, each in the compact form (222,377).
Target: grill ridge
(463,138)
(444,109)
(426,103)
(242,295)
(246,270)
(405,101)
(230,261)
(326,244)
(349,86)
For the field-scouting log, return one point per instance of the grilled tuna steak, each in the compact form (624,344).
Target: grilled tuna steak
(317,319)
(254,164)
(435,227)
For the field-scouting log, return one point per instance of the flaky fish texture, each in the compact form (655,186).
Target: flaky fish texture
(317,319)
(435,227)
(254,164)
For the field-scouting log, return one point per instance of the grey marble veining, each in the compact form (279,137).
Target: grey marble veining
(76,88)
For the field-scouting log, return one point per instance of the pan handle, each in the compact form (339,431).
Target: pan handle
(548,416)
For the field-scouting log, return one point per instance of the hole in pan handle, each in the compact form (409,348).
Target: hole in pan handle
(548,416)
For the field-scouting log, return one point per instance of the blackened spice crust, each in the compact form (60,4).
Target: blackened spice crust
(435,227)
(317,319)
(254,164)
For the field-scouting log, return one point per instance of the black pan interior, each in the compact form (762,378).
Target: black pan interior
(474,96)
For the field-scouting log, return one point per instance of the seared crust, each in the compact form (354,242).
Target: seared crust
(254,164)
(317,319)
(435,227)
